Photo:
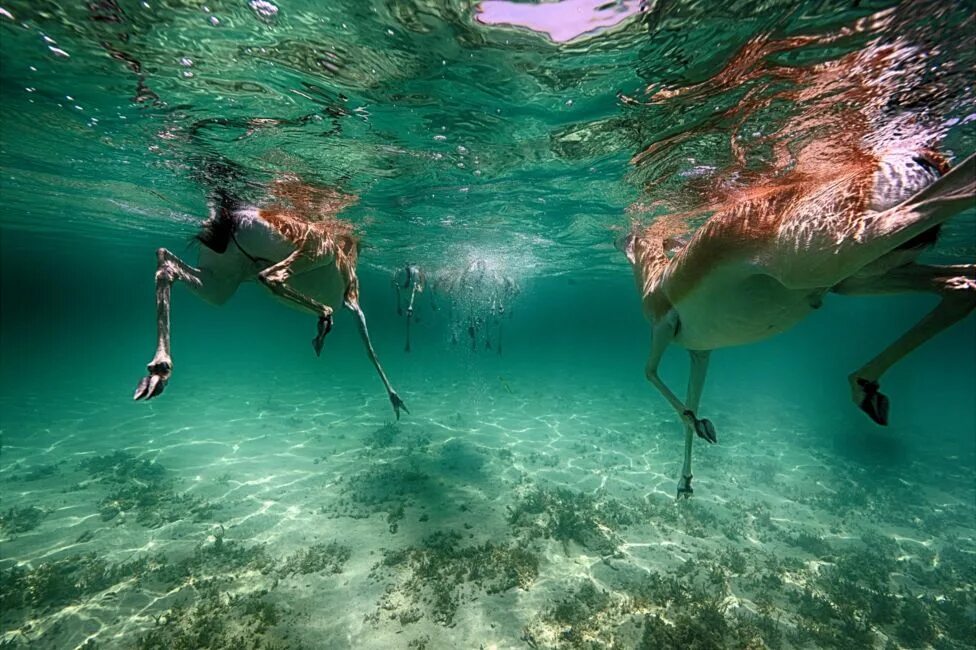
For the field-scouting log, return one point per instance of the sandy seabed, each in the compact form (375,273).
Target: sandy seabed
(528,518)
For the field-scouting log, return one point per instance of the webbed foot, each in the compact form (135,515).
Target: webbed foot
(684,488)
(398,404)
(703,427)
(152,385)
(872,401)
(324,327)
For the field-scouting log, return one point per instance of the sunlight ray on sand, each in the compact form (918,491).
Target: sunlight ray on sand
(590,503)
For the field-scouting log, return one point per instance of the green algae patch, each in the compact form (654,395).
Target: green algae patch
(221,596)
(318,558)
(567,516)
(143,490)
(21,520)
(434,578)
(219,621)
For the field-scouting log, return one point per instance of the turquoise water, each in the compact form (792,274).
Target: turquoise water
(269,499)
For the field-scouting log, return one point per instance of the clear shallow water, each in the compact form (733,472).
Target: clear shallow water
(528,498)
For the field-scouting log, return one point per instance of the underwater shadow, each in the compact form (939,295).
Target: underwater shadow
(418,483)
(870,447)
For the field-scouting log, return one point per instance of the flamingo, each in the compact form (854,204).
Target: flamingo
(482,294)
(768,256)
(297,248)
(413,278)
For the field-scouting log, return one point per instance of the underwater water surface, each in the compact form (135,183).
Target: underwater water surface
(270,499)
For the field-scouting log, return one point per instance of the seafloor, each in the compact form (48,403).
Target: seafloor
(542,515)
